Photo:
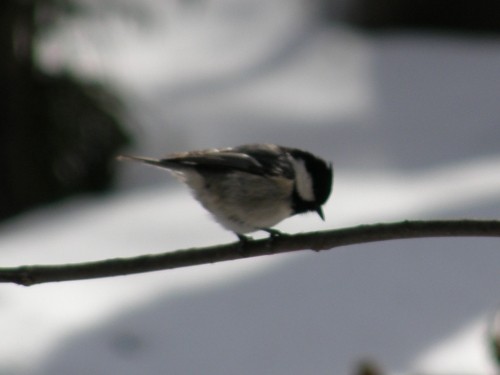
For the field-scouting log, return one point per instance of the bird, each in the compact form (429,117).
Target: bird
(251,187)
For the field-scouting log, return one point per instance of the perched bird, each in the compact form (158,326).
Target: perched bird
(251,187)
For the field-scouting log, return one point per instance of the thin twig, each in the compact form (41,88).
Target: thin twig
(317,241)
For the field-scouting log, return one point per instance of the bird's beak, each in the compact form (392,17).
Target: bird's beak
(320,213)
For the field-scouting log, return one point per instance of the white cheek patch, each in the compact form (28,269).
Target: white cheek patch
(303,180)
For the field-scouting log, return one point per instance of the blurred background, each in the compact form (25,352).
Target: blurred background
(401,95)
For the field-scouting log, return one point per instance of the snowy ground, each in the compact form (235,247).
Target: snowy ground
(411,123)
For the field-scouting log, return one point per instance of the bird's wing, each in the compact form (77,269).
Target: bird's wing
(257,159)
(223,160)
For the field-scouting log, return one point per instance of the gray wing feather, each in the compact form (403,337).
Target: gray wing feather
(225,160)
(259,159)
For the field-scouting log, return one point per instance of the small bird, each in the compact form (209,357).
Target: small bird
(251,187)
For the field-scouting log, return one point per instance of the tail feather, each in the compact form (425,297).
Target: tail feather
(145,160)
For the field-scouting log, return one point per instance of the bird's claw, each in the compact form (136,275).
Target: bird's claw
(243,241)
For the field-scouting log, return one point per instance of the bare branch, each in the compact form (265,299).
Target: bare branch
(317,241)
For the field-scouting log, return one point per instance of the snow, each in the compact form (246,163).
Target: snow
(410,122)
(465,352)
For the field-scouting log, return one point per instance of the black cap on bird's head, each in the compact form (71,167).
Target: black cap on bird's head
(313,182)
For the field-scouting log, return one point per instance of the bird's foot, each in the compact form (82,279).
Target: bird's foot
(273,233)
(243,241)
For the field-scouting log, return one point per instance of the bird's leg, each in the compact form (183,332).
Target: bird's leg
(273,233)
(243,240)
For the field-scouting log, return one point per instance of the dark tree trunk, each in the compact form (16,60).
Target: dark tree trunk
(55,138)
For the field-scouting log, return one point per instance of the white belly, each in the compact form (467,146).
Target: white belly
(243,203)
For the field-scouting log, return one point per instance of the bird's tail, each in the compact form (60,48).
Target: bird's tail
(145,160)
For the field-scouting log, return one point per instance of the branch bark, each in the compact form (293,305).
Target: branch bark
(317,241)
